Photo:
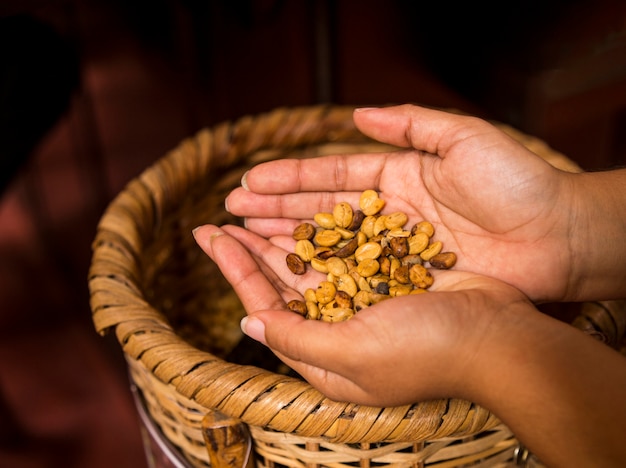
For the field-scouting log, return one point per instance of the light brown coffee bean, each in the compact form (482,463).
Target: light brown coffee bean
(396,220)
(368,267)
(420,276)
(367,226)
(418,242)
(327,238)
(312,310)
(379,225)
(368,250)
(295,264)
(319,264)
(336,266)
(401,290)
(342,212)
(424,226)
(325,220)
(309,295)
(398,232)
(346,234)
(305,250)
(346,284)
(432,250)
(443,260)
(385,265)
(337,314)
(369,202)
(325,292)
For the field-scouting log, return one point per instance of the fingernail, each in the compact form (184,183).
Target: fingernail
(244,182)
(254,328)
(226,205)
(216,234)
(194,230)
(364,109)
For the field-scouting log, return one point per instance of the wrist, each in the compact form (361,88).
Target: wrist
(541,376)
(597,223)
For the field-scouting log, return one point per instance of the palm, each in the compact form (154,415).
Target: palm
(492,202)
(499,226)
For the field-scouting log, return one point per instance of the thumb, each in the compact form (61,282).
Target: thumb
(287,333)
(309,347)
(415,127)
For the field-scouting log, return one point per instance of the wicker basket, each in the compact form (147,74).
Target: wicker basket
(177,319)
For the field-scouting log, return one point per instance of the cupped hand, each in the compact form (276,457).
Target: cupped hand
(399,351)
(504,211)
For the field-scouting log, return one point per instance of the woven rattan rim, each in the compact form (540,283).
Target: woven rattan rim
(119,301)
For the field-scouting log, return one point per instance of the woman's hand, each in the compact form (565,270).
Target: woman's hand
(472,337)
(430,337)
(504,211)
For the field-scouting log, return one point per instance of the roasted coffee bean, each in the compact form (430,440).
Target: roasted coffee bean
(304,231)
(399,247)
(348,249)
(357,218)
(296,264)
(443,260)
(382,288)
(299,307)
(420,276)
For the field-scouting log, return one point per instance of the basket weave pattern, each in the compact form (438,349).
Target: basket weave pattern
(177,319)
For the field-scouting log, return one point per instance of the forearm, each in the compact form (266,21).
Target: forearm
(561,392)
(598,236)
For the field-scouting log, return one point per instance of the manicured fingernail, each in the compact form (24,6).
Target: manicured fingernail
(254,328)
(244,182)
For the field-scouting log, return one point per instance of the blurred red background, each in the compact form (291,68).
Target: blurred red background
(94,91)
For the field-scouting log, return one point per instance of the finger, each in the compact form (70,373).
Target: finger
(274,257)
(417,127)
(270,227)
(309,347)
(389,175)
(335,173)
(254,287)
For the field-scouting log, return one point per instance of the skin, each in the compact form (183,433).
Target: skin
(560,391)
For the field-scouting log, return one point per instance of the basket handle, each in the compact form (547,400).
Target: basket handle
(227,440)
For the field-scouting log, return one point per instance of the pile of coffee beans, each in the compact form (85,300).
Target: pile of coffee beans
(367,257)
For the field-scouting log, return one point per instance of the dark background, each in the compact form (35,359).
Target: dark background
(93,91)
